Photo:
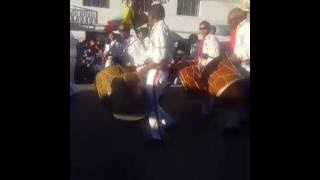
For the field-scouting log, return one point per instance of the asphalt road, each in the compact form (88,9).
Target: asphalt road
(102,147)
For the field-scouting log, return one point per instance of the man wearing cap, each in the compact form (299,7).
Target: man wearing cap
(240,38)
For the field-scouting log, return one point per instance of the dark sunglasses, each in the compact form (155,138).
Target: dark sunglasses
(202,28)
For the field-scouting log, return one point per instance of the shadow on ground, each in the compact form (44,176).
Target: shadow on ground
(104,148)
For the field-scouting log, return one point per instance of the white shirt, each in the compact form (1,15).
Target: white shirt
(211,46)
(146,42)
(135,51)
(242,44)
(159,43)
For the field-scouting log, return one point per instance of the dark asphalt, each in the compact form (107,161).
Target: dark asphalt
(104,148)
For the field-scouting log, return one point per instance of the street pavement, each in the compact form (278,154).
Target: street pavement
(102,147)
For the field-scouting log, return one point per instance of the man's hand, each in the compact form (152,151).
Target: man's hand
(233,58)
(199,64)
(149,61)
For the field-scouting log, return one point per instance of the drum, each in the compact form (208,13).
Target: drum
(124,89)
(128,98)
(190,77)
(222,77)
(104,79)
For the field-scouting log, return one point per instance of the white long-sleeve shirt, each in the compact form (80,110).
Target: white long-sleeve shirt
(146,41)
(135,51)
(159,44)
(242,44)
(211,46)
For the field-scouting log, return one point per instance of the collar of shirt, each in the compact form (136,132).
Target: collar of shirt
(242,23)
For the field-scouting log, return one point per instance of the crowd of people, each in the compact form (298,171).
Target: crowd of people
(153,54)
(95,55)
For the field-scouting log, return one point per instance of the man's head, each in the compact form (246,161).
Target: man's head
(235,16)
(156,13)
(204,28)
(124,30)
(193,38)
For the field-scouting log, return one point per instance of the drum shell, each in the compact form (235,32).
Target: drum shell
(223,76)
(190,77)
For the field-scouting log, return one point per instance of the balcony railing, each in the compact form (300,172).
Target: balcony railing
(82,17)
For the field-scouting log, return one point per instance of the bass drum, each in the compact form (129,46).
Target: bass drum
(223,76)
(190,77)
(122,87)
(104,79)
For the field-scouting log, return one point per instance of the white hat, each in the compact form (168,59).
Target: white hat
(245,5)
(116,32)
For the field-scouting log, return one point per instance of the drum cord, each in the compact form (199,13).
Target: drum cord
(225,52)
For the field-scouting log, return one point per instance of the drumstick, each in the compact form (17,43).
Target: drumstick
(232,63)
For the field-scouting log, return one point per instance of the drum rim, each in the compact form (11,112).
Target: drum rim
(125,117)
(226,86)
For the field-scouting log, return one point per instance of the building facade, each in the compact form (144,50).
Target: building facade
(182,16)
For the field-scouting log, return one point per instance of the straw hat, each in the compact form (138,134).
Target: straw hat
(245,5)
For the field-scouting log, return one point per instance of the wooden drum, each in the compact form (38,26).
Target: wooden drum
(222,77)
(104,79)
(190,77)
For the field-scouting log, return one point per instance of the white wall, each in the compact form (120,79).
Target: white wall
(214,11)
(78,35)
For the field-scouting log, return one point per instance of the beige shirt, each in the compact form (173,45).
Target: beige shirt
(211,47)
(159,48)
(242,44)
(135,51)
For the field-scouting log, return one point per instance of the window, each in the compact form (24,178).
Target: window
(188,7)
(96,3)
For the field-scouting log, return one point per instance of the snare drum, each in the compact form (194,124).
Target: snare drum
(222,77)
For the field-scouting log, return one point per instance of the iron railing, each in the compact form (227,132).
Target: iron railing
(82,16)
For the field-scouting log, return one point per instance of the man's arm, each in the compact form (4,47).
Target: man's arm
(242,50)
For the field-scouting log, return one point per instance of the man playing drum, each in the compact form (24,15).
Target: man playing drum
(208,50)
(158,57)
(153,70)
(240,38)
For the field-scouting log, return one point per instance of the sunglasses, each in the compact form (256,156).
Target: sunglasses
(202,28)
